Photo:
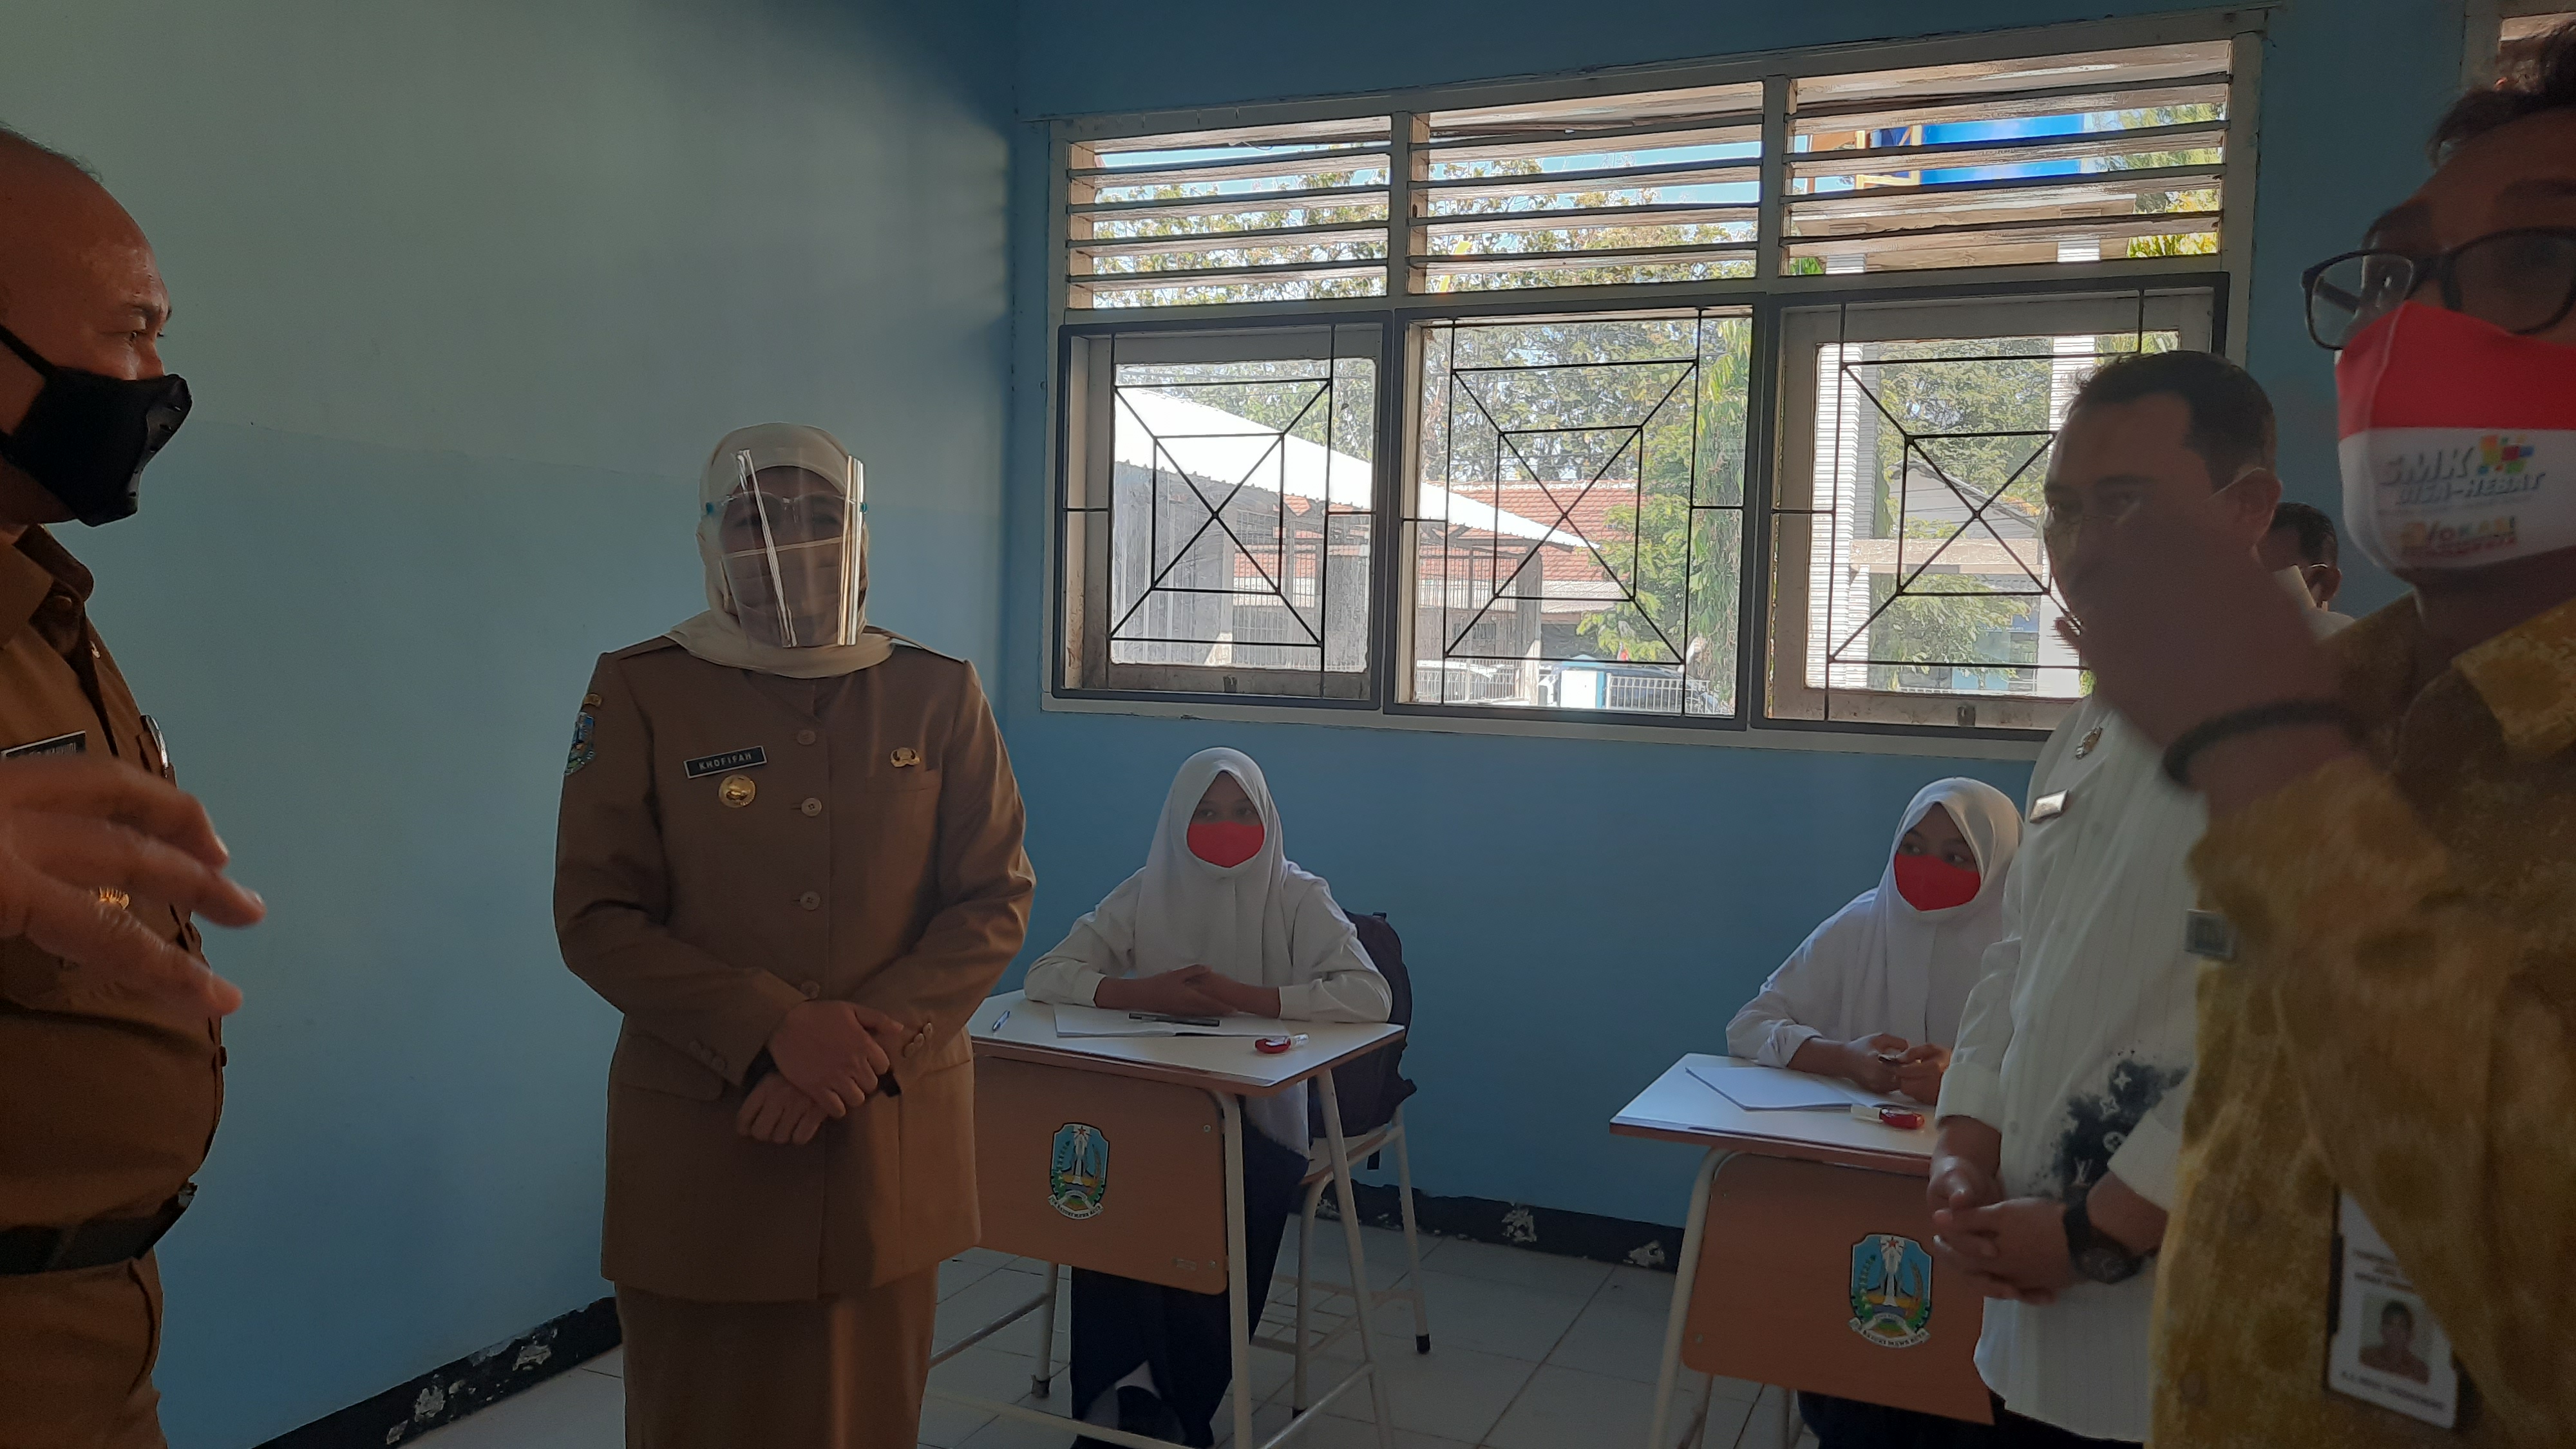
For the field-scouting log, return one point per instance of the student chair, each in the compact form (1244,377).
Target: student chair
(1372,1092)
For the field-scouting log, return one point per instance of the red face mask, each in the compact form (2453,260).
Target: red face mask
(1225,843)
(1930,883)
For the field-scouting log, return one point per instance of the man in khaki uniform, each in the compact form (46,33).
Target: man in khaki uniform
(790,853)
(108,1093)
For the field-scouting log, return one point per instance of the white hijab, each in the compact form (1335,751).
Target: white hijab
(716,636)
(1235,919)
(1880,965)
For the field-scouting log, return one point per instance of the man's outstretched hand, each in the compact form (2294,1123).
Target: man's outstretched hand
(77,831)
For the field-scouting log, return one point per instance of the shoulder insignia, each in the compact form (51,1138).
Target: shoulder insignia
(582,750)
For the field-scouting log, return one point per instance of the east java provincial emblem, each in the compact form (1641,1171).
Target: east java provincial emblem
(1891,1290)
(1078,1170)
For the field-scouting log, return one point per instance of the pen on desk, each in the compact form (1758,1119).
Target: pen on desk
(997,1022)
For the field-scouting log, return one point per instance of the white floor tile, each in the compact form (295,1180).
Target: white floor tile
(963,1272)
(1482,1313)
(990,1297)
(1384,1247)
(569,1411)
(1568,1409)
(611,1363)
(1517,1266)
(1455,1393)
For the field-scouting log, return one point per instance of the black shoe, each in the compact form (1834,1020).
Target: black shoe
(1140,1411)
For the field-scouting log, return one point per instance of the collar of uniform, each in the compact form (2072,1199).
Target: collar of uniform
(33,569)
(2527,676)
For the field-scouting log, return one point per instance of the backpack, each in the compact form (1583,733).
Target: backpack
(1372,1087)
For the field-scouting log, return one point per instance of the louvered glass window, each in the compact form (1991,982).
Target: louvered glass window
(1714,398)
(1253,214)
(1658,187)
(2052,159)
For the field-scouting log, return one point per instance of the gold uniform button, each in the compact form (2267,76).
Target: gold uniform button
(806,737)
(113,898)
(811,806)
(737,791)
(811,989)
(904,757)
(810,901)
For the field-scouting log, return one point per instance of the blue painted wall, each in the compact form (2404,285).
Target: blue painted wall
(466,292)
(1577,913)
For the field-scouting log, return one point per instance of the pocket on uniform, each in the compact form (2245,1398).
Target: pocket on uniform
(901,782)
(653,1065)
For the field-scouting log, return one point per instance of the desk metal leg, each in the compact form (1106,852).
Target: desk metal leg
(1044,1378)
(1685,1274)
(1360,1291)
(1238,1309)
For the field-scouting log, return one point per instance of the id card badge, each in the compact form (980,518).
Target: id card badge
(2387,1349)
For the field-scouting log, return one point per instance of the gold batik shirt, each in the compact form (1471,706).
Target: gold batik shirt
(2399,1023)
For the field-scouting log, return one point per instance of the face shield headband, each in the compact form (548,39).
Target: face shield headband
(790,545)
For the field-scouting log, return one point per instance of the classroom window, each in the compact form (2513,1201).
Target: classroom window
(1224,543)
(1715,397)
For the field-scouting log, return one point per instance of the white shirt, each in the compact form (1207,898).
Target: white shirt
(1879,964)
(2077,1046)
(1263,922)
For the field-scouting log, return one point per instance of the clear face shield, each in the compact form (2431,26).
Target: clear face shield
(788,540)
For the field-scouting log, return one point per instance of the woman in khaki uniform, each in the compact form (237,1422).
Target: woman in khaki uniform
(789,852)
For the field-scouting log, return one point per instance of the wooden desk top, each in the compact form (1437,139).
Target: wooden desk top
(1216,1063)
(1681,1108)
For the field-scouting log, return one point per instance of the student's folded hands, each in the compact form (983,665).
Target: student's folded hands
(1918,1072)
(1190,991)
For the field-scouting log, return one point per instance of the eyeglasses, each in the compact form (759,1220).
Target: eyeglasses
(2522,280)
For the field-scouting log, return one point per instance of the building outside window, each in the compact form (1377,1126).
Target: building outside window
(1716,397)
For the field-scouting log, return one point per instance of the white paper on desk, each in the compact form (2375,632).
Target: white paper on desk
(1100,1021)
(1770,1089)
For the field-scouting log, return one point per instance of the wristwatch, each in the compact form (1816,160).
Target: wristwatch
(2096,1254)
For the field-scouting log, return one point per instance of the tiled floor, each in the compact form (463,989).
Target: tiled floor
(1528,1352)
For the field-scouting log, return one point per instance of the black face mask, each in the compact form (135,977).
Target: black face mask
(87,436)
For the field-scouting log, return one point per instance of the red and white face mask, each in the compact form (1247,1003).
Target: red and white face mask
(2457,441)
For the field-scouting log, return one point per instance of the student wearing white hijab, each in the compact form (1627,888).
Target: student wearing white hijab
(1218,921)
(789,855)
(1875,994)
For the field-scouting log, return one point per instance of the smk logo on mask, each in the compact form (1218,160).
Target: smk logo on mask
(2457,441)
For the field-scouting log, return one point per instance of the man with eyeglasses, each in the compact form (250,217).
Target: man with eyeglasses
(2386,1077)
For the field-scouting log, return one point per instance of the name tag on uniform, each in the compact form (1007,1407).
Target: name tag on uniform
(2047,807)
(75,743)
(2387,1349)
(729,760)
(2208,935)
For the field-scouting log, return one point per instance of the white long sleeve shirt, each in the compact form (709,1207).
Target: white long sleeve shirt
(2077,1047)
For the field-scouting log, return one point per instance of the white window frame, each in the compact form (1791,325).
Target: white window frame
(1770,293)
(1803,333)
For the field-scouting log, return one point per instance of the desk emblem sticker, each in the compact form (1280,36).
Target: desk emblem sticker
(1891,1290)
(1078,1171)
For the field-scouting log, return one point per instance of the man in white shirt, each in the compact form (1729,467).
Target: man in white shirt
(2061,1114)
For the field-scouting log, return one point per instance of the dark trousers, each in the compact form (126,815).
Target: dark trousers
(1851,1424)
(1119,1323)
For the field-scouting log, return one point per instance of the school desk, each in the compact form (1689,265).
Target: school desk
(1806,1259)
(1125,1155)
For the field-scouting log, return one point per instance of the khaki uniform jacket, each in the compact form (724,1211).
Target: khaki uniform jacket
(735,843)
(107,1103)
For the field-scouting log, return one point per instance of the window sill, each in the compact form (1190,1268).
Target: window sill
(1892,740)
